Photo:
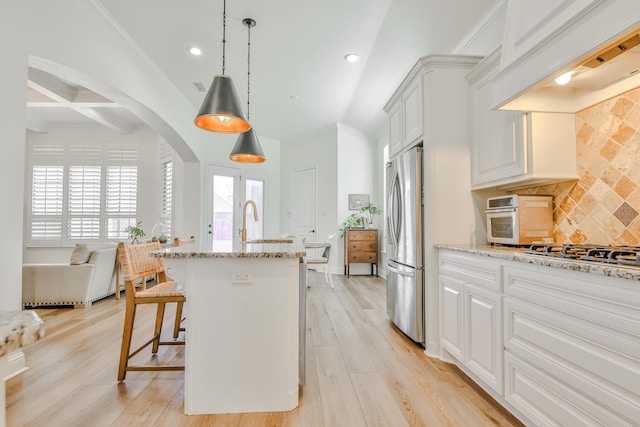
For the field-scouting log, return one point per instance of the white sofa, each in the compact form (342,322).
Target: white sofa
(89,276)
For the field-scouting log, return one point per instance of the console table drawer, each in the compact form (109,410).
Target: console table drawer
(363,235)
(363,257)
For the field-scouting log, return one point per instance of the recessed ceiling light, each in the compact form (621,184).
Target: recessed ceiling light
(352,57)
(195,51)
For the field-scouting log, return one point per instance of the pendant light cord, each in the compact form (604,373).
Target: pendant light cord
(224,32)
(248,71)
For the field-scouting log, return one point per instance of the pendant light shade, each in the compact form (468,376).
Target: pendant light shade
(221,110)
(247,148)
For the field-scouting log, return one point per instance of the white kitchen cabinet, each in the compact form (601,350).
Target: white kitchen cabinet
(395,130)
(452,320)
(512,149)
(406,121)
(483,334)
(572,346)
(555,346)
(472,315)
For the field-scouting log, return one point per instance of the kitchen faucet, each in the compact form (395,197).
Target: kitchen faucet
(243,231)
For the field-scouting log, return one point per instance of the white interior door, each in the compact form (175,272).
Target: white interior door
(304,203)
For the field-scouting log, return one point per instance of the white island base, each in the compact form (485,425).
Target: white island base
(241,333)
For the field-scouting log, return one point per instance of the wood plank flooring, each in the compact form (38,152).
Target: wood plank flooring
(360,371)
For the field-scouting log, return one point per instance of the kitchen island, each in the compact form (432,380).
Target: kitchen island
(242,326)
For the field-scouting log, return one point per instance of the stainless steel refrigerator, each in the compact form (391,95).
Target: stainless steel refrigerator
(405,263)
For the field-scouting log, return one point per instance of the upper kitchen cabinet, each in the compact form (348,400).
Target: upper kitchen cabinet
(404,110)
(547,38)
(512,149)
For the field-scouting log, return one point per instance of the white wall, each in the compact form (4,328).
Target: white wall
(318,150)
(382,139)
(13,69)
(357,158)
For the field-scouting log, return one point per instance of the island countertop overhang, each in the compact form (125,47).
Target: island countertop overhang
(240,250)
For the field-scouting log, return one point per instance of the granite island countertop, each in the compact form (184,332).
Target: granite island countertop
(521,255)
(264,248)
(19,328)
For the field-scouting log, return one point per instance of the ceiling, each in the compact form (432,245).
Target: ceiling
(299,79)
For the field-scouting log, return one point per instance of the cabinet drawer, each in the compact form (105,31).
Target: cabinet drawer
(599,361)
(370,246)
(363,257)
(546,401)
(362,235)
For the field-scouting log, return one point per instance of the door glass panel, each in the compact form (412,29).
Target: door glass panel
(254,190)
(223,191)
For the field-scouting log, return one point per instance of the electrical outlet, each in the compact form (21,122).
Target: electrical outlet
(240,278)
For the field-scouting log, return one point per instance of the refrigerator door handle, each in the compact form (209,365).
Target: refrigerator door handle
(400,272)
(395,202)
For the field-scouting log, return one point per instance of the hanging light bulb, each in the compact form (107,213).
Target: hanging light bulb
(247,148)
(221,110)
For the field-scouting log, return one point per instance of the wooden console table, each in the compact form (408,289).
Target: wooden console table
(361,246)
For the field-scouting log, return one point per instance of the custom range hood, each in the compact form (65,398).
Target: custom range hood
(598,45)
(608,73)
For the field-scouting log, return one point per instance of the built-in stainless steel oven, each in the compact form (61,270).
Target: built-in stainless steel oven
(519,219)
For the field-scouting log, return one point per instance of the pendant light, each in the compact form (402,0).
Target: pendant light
(221,110)
(247,148)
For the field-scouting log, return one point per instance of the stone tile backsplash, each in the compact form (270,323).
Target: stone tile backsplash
(603,205)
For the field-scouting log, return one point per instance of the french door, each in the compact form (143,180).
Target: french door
(227,192)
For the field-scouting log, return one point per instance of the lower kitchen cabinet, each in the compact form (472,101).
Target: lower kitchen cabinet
(582,334)
(472,315)
(555,346)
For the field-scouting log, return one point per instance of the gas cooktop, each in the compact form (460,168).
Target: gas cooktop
(623,255)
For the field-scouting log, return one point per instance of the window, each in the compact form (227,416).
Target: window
(167,196)
(81,192)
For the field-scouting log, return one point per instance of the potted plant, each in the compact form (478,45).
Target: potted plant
(354,220)
(368,213)
(135,232)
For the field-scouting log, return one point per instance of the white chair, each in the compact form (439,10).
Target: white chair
(323,260)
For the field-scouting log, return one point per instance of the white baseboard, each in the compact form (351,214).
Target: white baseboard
(16,362)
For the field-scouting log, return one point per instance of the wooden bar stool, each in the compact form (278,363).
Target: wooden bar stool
(181,242)
(136,263)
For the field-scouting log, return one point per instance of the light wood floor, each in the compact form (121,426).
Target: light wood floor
(360,372)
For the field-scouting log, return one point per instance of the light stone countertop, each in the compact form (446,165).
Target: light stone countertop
(265,248)
(521,255)
(19,328)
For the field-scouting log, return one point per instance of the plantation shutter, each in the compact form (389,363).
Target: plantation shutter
(47,192)
(121,189)
(167,196)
